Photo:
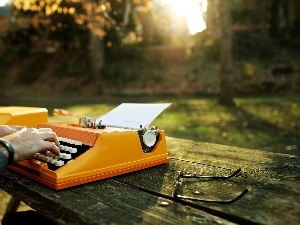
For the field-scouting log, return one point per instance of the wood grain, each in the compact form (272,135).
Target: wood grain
(146,197)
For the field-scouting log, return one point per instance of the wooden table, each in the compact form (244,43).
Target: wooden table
(269,183)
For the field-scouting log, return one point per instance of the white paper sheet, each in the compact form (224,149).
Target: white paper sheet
(132,115)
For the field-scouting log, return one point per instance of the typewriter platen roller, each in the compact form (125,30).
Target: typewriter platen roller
(107,147)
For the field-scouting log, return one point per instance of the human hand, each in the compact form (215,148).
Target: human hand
(6,129)
(27,142)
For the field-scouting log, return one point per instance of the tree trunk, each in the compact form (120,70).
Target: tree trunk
(96,57)
(261,12)
(127,12)
(286,18)
(226,83)
(96,48)
(274,21)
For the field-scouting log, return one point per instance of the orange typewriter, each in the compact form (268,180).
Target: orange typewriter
(119,142)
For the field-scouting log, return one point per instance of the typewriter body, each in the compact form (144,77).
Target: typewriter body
(94,150)
(26,116)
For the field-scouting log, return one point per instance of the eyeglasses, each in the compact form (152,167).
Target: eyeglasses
(182,176)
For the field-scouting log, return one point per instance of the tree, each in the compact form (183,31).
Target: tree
(63,18)
(218,21)
(226,81)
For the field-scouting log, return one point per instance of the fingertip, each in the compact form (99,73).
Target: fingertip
(51,146)
(57,149)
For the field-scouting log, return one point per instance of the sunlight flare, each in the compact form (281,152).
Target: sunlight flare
(4,2)
(192,10)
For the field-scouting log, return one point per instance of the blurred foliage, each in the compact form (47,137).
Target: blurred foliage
(67,23)
(265,45)
(54,35)
(260,28)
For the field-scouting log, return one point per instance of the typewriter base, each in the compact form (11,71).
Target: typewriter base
(58,186)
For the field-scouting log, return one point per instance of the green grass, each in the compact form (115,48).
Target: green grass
(265,123)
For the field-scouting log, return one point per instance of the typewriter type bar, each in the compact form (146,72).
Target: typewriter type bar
(93,154)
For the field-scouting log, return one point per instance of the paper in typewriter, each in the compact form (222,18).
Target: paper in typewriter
(132,115)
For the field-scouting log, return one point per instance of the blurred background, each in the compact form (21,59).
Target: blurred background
(230,67)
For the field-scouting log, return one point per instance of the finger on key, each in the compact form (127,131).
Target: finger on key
(51,146)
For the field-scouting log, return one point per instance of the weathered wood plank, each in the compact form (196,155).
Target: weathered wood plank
(273,178)
(263,204)
(102,202)
(135,198)
(266,167)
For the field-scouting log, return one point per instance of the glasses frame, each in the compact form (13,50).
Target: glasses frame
(182,176)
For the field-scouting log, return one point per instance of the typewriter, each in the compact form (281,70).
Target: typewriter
(119,142)
(20,115)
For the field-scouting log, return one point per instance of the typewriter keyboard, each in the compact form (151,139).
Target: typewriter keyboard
(69,150)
